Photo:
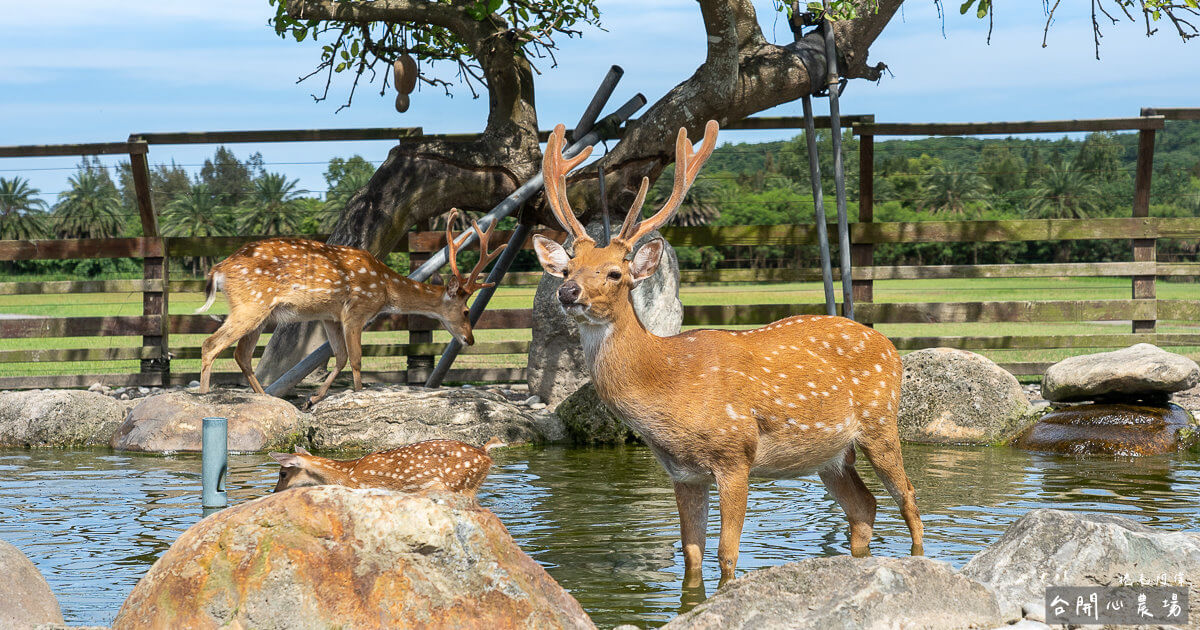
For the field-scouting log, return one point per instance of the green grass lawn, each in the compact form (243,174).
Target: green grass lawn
(887,291)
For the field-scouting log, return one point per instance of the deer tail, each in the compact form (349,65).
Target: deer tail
(215,280)
(495,442)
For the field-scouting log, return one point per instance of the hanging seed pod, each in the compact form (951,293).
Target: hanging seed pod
(404,75)
(401,103)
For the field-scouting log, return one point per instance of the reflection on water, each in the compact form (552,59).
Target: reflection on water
(601,521)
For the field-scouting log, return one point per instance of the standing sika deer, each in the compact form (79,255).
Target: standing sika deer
(291,279)
(783,400)
(434,464)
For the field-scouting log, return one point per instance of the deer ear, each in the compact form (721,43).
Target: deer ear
(301,450)
(452,286)
(645,261)
(553,257)
(287,459)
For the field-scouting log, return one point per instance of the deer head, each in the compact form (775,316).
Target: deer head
(453,312)
(302,468)
(599,279)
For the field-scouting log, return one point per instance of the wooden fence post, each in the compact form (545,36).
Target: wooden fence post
(1144,249)
(154,302)
(862,255)
(420,329)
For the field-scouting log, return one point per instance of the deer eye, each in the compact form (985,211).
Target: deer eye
(614,275)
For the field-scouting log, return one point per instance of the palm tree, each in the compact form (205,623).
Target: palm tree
(948,190)
(1063,193)
(272,208)
(22,213)
(197,213)
(90,209)
(341,193)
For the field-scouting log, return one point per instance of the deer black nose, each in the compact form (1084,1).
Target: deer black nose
(568,293)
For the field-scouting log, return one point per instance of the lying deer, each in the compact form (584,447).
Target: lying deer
(784,400)
(431,465)
(292,279)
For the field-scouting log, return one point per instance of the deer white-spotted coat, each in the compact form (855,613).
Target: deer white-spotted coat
(431,465)
(717,406)
(292,279)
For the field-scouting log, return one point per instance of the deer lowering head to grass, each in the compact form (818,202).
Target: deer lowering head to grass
(291,279)
(717,406)
(431,465)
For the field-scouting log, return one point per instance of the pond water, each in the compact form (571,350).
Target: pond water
(602,521)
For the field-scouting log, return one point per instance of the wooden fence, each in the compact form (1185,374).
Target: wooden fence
(155,326)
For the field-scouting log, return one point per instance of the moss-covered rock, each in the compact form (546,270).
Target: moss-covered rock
(1111,429)
(588,421)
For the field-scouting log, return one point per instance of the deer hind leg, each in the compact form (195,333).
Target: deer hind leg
(337,342)
(733,488)
(883,452)
(237,325)
(692,501)
(353,331)
(243,355)
(857,502)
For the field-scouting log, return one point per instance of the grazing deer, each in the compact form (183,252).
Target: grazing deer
(431,465)
(292,279)
(784,400)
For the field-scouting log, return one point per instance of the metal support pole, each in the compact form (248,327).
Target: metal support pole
(214,462)
(599,100)
(814,172)
(605,128)
(481,301)
(839,175)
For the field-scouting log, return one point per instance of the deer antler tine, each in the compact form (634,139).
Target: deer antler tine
(687,166)
(554,173)
(484,255)
(633,217)
(453,249)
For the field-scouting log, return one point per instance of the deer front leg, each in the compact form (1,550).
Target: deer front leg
(733,488)
(353,332)
(692,500)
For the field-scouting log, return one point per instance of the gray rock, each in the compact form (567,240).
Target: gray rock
(588,420)
(1136,372)
(556,366)
(172,422)
(27,600)
(58,417)
(335,557)
(845,592)
(957,397)
(1056,548)
(391,417)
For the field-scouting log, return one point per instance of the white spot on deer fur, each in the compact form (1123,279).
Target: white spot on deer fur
(767,370)
(713,369)
(258,271)
(812,384)
(878,368)
(812,339)
(819,425)
(801,397)
(245,271)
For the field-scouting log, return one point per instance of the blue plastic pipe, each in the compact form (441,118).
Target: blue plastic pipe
(214,462)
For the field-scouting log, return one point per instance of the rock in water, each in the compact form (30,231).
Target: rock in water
(588,420)
(845,592)
(383,418)
(1056,548)
(172,422)
(556,365)
(953,396)
(1111,429)
(27,600)
(59,417)
(1140,372)
(328,556)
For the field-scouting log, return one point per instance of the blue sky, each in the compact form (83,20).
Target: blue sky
(98,70)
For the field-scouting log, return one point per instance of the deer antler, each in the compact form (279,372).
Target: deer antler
(554,171)
(687,166)
(451,246)
(485,257)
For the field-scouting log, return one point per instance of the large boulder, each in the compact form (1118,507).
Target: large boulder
(172,422)
(1111,429)
(59,417)
(390,417)
(953,396)
(328,556)
(1139,372)
(556,366)
(845,592)
(588,421)
(27,600)
(1055,548)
